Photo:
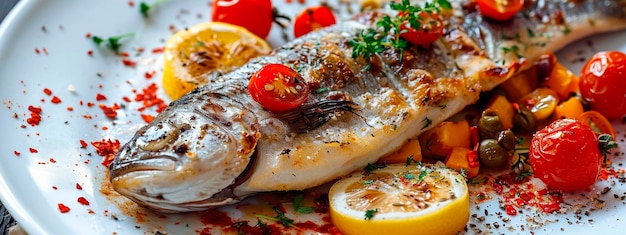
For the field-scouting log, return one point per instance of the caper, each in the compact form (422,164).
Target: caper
(506,139)
(491,155)
(489,125)
(524,121)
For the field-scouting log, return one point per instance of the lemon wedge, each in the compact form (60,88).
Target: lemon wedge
(400,199)
(197,51)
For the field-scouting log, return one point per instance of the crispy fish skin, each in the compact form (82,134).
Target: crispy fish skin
(215,145)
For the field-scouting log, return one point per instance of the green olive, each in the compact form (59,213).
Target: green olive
(524,121)
(506,139)
(491,155)
(489,125)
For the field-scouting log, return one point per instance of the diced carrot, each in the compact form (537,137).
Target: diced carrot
(439,141)
(410,149)
(562,81)
(501,105)
(520,84)
(458,160)
(571,108)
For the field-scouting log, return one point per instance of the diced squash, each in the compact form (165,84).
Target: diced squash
(562,81)
(439,141)
(457,159)
(520,84)
(571,108)
(410,149)
(501,105)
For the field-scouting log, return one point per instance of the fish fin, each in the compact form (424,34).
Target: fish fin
(312,115)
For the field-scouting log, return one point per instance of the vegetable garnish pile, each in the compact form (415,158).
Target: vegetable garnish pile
(530,145)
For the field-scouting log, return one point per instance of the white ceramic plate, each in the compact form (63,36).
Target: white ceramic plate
(33,184)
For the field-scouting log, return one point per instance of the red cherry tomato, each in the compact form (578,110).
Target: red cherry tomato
(430,29)
(565,155)
(501,10)
(311,19)
(278,88)
(255,15)
(603,83)
(598,123)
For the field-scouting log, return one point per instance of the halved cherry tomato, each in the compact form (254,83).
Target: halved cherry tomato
(313,18)
(565,155)
(501,10)
(430,27)
(603,83)
(278,88)
(255,15)
(597,122)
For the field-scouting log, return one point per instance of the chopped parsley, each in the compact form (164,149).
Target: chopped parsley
(373,166)
(114,43)
(144,8)
(370,213)
(280,217)
(298,207)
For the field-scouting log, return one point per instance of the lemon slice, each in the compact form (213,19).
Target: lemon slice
(400,199)
(193,53)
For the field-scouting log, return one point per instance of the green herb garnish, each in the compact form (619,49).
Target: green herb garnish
(373,166)
(114,43)
(606,143)
(280,217)
(370,213)
(298,207)
(144,8)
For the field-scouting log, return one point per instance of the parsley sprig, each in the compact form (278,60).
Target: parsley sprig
(114,43)
(388,29)
(144,7)
(280,217)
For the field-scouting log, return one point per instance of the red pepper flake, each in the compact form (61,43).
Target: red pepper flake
(37,51)
(125,98)
(83,201)
(510,210)
(16,153)
(88,35)
(90,52)
(131,3)
(129,62)
(149,98)
(100,97)
(70,108)
(34,109)
(109,111)
(90,104)
(79,187)
(54,187)
(150,74)
(45,51)
(140,49)
(104,128)
(87,116)
(47,91)
(147,117)
(55,100)
(158,50)
(52,160)
(106,149)
(90,211)
(63,208)
(33,150)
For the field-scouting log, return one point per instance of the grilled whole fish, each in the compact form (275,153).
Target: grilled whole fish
(216,146)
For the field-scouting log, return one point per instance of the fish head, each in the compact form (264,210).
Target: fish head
(186,160)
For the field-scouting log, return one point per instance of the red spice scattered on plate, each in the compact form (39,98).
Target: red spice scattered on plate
(149,98)
(87,116)
(16,153)
(37,51)
(158,50)
(79,187)
(109,111)
(45,51)
(147,117)
(90,52)
(70,108)
(34,109)
(129,63)
(88,35)
(52,160)
(63,208)
(33,150)
(131,3)
(54,187)
(90,104)
(47,91)
(55,100)
(83,201)
(100,97)
(107,149)
(150,74)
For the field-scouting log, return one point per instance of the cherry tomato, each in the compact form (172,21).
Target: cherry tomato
(311,19)
(597,122)
(603,83)
(255,15)
(278,88)
(430,29)
(565,155)
(501,10)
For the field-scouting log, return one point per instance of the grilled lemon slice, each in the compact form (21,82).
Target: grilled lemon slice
(193,53)
(399,199)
